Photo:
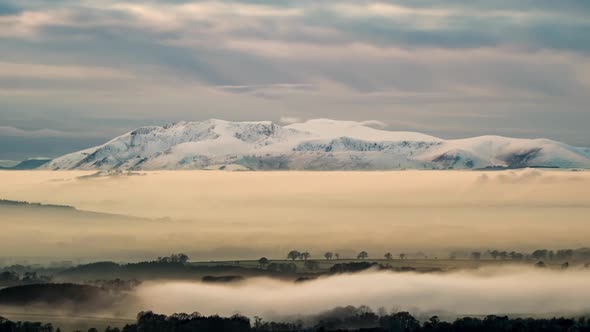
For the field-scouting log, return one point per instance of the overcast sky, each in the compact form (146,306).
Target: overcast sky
(76,73)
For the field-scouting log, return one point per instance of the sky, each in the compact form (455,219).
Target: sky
(76,73)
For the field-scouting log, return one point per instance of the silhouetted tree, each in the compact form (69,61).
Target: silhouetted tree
(337,255)
(111,329)
(174,258)
(342,319)
(402,256)
(328,255)
(494,254)
(401,321)
(305,255)
(388,256)
(263,261)
(564,254)
(540,254)
(182,258)
(362,255)
(257,323)
(293,254)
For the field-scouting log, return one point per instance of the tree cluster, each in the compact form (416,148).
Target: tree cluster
(174,258)
(342,319)
(296,254)
(29,277)
(560,255)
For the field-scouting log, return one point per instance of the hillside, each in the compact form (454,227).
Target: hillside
(46,211)
(27,164)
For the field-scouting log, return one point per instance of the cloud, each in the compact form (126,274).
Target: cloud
(7,8)
(41,71)
(289,119)
(374,124)
(432,65)
(16,132)
(525,176)
(8,131)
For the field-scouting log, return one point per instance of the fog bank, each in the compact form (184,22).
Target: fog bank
(507,290)
(235,215)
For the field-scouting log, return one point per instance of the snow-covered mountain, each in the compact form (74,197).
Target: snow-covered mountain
(315,145)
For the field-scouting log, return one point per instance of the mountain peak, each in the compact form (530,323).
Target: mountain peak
(322,144)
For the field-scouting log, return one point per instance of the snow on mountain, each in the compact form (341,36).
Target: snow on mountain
(320,144)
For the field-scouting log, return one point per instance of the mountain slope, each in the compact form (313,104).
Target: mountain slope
(316,144)
(8,163)
(27,164)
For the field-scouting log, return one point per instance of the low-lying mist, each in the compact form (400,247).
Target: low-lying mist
(499,290)
(217,215)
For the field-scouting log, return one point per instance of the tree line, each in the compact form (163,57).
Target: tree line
(29,277)
(329,255)
(538,254)
(341,319)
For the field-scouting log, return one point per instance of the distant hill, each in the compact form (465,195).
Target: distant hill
(26,164)
(320,144)
(10,203)
(8,163)
(43,211)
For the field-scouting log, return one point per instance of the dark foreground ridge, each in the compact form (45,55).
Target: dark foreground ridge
(342,319)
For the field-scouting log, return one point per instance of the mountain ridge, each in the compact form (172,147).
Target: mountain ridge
(320,144)
(26,164)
